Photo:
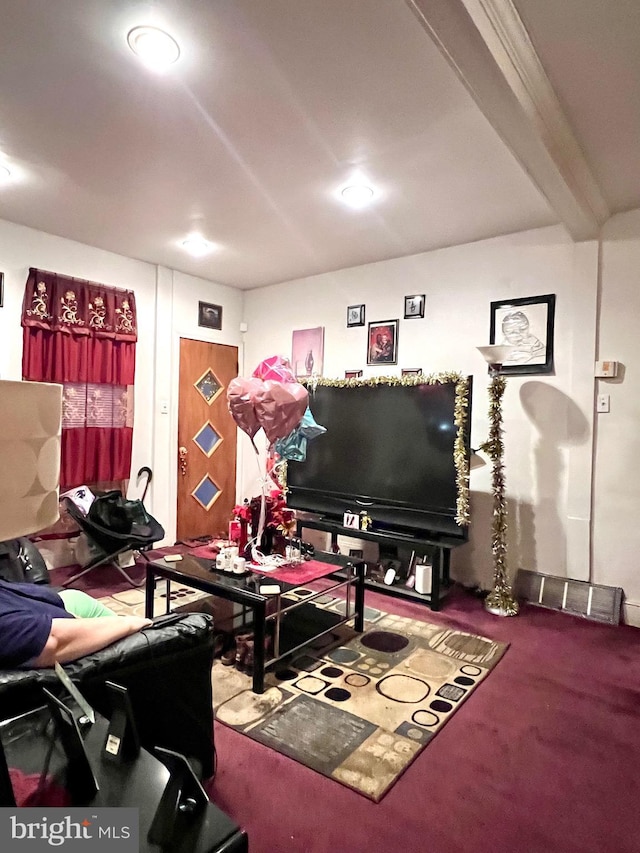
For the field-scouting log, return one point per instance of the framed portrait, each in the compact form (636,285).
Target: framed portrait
(414,306)
(307,352)
(382,342)
(527,325)
(353,374)
(209,316)
(355,315)
(411,371)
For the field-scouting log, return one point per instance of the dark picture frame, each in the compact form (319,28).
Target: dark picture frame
(355,315)
(414,307)
(209,315)
(528,324)
(382,342)
(353,374)
(411,371)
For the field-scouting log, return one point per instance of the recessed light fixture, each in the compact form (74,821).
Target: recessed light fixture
(197,246)
(357,195)
(156,48)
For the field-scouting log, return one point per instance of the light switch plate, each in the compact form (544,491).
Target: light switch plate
(606,369)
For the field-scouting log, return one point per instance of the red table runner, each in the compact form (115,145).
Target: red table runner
(305,572)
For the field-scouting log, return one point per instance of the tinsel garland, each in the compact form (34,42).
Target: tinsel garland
(500,598)
(461,414)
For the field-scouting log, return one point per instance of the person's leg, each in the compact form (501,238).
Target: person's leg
(82,605)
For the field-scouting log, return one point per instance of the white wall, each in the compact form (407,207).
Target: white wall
(616,508)
(548,419)
(167,307)
(176,316)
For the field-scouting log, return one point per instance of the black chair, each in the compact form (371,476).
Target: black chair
(109,543)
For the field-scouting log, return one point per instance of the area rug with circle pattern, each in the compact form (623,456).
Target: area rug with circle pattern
(361,707)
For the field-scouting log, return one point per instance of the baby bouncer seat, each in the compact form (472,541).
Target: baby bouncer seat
(113,525)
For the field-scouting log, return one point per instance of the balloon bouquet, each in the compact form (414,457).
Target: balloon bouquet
(274,401)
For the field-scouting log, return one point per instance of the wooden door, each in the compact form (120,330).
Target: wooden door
(207,435)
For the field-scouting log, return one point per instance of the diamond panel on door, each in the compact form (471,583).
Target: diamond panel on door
(207,439)
(206,492)
(208,386)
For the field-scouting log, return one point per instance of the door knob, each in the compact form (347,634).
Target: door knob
(182,453)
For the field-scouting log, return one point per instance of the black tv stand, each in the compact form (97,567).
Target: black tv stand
(437,546)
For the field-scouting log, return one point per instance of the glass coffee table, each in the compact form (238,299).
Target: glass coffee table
(290,622)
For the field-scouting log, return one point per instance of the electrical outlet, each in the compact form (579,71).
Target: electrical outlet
(602,403)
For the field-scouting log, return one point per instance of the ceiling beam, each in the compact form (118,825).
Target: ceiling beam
(487,45)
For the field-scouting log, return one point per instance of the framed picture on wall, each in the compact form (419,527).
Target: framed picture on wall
(355,315)
(209,316)
(382,342)
(414,306)
(411,371)
(526,324)
(353,374)
(307,351)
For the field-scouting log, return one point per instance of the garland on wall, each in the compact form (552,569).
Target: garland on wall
(461,412)
(500,598)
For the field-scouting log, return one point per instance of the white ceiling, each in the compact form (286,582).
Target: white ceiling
(443,104)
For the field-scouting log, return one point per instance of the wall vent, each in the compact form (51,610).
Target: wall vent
(580,598)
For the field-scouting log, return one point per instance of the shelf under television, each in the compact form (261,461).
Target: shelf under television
(440,548)
(384,535)
(401,591)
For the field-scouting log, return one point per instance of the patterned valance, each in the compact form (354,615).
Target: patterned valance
(77,307)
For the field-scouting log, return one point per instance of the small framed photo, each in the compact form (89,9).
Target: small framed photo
(411,371)
(414,306)
(353,374)
(382,342)
(355,315)
(209,316)
(527,325)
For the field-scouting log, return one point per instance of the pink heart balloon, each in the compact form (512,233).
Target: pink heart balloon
(279,407)
(241,395)
(275,367)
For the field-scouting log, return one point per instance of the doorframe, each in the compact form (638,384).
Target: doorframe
(165,435)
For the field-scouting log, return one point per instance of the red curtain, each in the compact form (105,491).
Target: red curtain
(83,335)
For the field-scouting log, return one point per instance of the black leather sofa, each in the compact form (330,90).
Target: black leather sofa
(167,672)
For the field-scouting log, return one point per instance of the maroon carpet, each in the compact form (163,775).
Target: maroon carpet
(102,580)
(544,759)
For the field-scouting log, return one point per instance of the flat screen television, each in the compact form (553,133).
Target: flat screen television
(389,449)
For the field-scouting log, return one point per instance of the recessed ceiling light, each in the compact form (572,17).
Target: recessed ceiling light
(154,46)
(197,246)
(357,195)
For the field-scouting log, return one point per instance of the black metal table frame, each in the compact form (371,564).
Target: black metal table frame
(257,603)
